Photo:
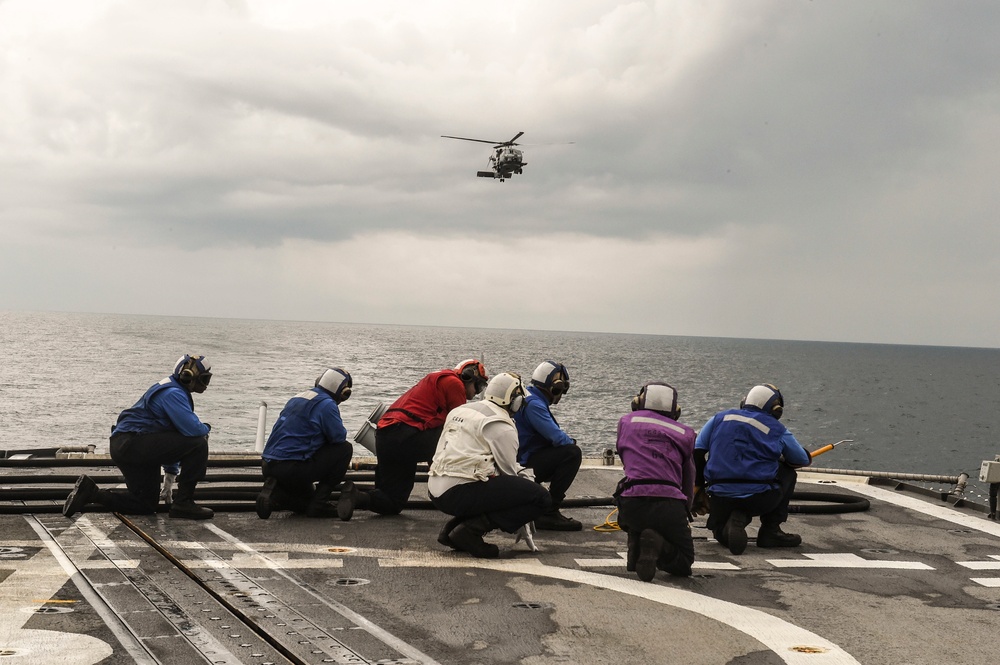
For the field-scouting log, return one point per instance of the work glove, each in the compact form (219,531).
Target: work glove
(526,533)
(700,504)
(167,493)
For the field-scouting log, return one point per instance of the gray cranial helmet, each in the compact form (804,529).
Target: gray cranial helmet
(505,390)
(337,382)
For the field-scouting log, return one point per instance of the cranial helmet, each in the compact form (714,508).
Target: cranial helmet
(767,398)
(193,371)
(659,397)
(553,378)
(506,390)
(337,382)
(473,371)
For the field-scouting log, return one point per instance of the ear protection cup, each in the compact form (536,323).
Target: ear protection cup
(552,377)
(190,367)
(638,402)
(473,371)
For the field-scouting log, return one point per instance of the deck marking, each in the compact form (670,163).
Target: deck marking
(845,560)
(386,637)
(319,639)
(982,565)
(201,640)
(778,635)
(82,644)
(621,561)
(992,582)
(946,513)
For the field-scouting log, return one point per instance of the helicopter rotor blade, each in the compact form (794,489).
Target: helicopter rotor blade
(516,137)
(462,138)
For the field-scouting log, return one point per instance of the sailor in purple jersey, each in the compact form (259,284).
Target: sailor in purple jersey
(654,497)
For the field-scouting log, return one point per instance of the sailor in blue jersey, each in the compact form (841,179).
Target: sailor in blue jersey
(746,461)
(654,496)
(544,447)
(308,444)
(160,429)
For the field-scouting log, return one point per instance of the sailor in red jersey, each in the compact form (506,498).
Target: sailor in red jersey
(408,433)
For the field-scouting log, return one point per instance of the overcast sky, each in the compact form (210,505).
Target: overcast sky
(769,169)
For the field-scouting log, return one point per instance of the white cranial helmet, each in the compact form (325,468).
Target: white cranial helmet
(553,378)
(337,382)
(193,368)
(767,398)
(657,396)
(505,390)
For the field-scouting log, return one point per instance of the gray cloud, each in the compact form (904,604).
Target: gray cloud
(829,161)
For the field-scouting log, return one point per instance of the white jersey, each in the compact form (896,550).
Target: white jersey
(478,441)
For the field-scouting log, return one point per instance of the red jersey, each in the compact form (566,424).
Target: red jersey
(426,405)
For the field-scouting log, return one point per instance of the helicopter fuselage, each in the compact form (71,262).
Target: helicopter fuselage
(506,160)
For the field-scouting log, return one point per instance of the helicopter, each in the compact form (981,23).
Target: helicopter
(506,160)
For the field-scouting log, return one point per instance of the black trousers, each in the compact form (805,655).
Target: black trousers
(771,506)
(327,466)
(509,501)
(398,450)
(668,517)
(140,456)
(558,467)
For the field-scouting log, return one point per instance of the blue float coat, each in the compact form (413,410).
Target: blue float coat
(745,447)
(308,421)
(537,427)
(166,407)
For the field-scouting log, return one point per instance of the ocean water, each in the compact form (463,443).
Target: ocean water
(65,377)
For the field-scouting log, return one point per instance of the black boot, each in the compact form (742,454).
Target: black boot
(84,492)
(351,498)
(189,510)
(650,544)
(468,537)
(184,506)
(672,562)
(771,535)
(320,504)
(265,500)
(633,551)
(736,531)
(556,521)
(444,537)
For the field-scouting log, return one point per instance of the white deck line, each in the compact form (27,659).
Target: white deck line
(385,636)
(780,636)
(945,513)
(79,644)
